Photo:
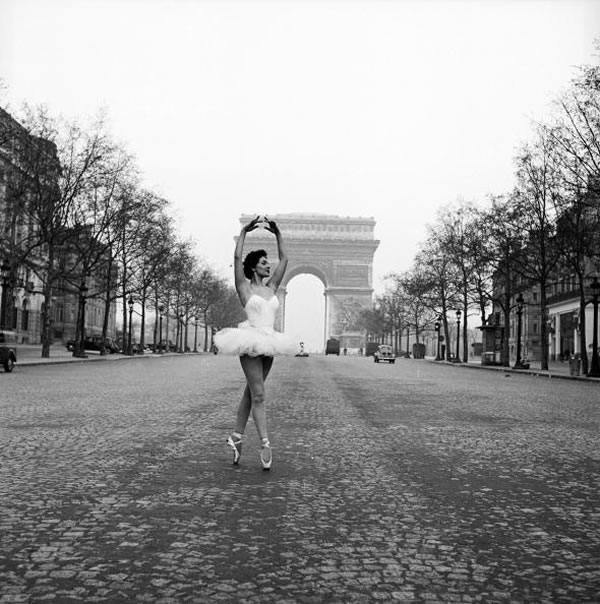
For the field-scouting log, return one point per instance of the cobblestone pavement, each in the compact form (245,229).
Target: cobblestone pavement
(412,482)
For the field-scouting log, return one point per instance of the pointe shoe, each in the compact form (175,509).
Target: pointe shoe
(235,442)
(266,448)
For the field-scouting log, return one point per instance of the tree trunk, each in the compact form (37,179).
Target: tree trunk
(205,347)
(445,353)
(107,294)
(79,350)
(544,327)
(465,334)
(46,315)
(143,319)
(582,330)
(505,337)
(156,321)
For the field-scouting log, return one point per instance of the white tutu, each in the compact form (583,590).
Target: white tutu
(256,336)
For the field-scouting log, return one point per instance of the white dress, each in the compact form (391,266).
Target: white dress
(257,335)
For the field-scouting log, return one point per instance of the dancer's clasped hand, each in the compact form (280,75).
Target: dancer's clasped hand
(253,224)
(272,227)
(259,221)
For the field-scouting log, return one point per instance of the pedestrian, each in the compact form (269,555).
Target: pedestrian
(255,340)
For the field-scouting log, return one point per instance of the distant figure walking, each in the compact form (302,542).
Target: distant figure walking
(255,340)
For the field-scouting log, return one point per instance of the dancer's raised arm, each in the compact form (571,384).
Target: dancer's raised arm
(277,277)
(241,283)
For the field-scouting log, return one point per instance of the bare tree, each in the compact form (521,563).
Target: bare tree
(437,273)
(505,243)
(575,137)
(535,198)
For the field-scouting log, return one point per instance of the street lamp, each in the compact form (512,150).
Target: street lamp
(161,310)
(520,301)
(438,326)
(195,334)
(458,313)
(595,369)
(5,271)
(130,304)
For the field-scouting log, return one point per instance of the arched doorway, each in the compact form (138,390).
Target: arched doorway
(305,311)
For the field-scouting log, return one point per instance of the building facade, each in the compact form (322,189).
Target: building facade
(26,162)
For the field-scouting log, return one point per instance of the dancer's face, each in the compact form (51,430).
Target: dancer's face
(262,268)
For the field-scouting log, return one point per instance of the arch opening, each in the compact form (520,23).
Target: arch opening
(305,311)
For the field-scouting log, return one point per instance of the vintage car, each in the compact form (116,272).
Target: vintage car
(332,347)
(8,350)
(384,353)
(95,343)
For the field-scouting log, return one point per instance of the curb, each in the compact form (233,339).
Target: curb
(37,362)
(531,372)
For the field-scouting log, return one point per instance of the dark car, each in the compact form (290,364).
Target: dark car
(95,343)
(384,353)
(170,347)
(332,347)
(8,350)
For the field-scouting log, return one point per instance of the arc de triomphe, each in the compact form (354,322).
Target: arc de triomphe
(337,250)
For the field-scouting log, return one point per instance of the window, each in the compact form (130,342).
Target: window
(14,311)
(59,312)
(25,316)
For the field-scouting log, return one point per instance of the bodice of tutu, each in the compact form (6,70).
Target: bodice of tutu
(256,336)
(260,312)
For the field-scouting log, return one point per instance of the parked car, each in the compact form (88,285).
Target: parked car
(332,347)
(384,353)
(170,347)
(95,343)
(8,350)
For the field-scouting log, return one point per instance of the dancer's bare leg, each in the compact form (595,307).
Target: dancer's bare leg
(243,412)
(256,370)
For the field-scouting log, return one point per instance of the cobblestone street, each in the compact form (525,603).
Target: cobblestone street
(413,482)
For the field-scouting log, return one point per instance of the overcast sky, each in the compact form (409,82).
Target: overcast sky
(387,109)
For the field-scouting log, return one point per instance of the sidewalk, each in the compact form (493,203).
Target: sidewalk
(556,369)
(31,354)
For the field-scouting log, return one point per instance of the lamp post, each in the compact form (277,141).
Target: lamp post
(438,326)
(518,362)
(5,271)
(161,310)
(195,334)
(130,304)
(458,313)
(595,369)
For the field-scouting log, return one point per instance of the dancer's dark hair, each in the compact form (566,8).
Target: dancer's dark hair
(251,260)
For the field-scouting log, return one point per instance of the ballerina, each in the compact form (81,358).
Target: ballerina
(255,340)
